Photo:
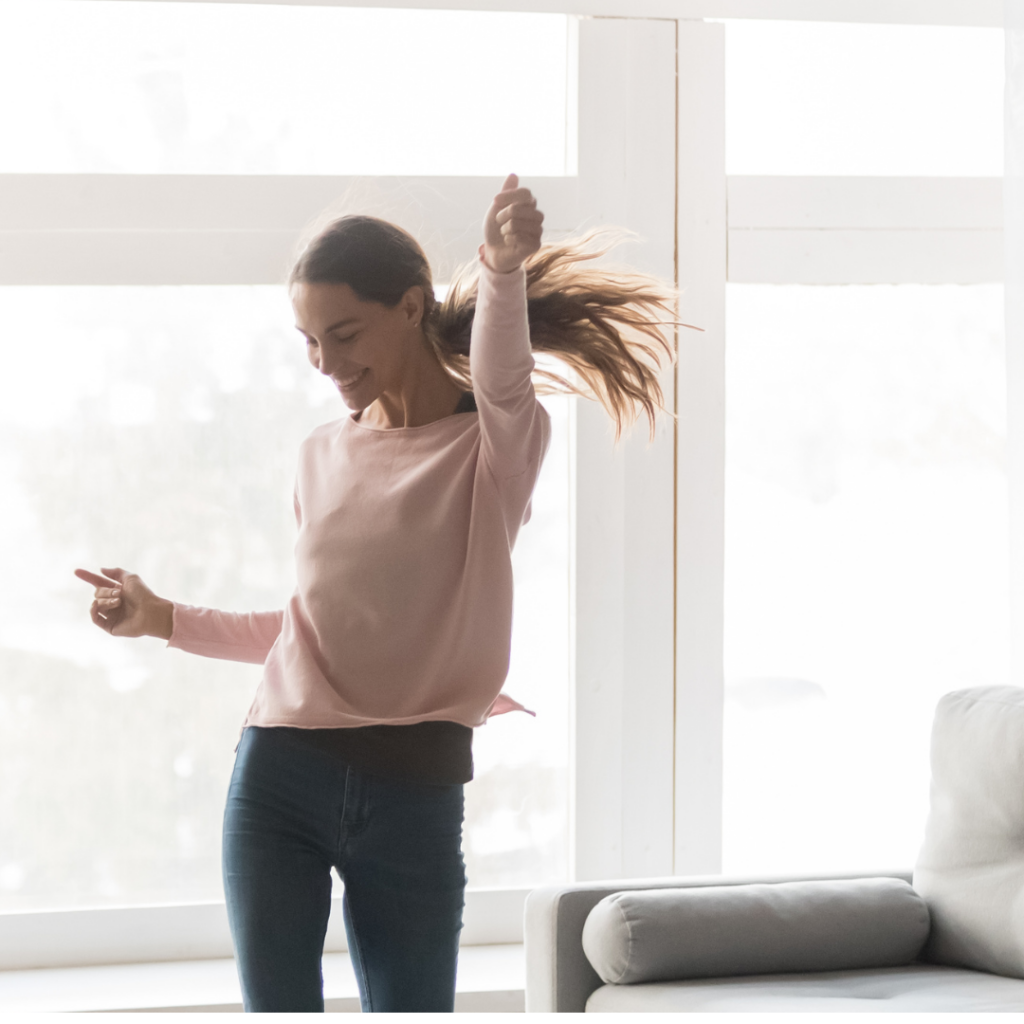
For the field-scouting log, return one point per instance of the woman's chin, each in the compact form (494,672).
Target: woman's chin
(356,399)
(357,404)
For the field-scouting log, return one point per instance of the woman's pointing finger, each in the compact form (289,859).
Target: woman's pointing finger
(96,581)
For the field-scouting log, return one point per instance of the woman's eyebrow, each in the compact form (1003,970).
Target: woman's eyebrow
(341,323)
(333,327)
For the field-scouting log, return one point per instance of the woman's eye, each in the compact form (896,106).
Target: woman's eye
(351,337)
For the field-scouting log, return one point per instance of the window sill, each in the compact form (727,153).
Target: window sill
(491,979)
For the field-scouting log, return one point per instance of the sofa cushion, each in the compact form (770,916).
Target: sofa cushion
(971,865)
(669,934)
(919,988)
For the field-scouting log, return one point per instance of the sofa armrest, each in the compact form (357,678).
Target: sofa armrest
(559,978)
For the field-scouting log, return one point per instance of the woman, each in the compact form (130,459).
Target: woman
(395,644)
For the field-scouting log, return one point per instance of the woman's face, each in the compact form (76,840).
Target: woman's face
(364,347)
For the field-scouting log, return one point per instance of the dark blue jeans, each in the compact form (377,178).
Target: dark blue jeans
(292,813)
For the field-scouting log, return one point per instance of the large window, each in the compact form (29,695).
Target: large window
(156,428)
(848,435)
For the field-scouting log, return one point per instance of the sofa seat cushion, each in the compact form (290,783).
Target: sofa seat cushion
(918,988)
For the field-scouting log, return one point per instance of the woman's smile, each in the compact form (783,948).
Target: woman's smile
(349,383)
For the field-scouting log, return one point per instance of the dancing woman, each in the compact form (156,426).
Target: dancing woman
(395,644)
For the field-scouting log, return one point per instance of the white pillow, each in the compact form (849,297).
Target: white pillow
(971,865)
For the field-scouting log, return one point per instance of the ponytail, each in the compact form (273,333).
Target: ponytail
(611,326)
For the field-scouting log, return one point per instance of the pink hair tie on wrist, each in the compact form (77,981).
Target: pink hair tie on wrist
(494,270)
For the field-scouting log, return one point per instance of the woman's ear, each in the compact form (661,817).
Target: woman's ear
(412,303)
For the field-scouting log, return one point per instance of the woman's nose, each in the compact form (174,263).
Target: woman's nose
(325,360)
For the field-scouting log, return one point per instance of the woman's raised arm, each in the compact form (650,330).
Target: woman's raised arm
(514,426)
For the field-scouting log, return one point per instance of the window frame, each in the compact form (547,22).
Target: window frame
(647,686)
(903,12)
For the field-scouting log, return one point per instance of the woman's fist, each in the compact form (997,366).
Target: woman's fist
(124,606)
(512,227)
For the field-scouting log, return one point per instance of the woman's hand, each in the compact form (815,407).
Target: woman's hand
(512,227)
(124,606)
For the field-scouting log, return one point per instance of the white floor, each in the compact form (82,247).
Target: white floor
(491,979)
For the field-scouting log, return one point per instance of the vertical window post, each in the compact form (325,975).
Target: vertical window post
(700,449)
(621,554)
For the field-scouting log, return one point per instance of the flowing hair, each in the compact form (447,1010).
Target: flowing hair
(612,328)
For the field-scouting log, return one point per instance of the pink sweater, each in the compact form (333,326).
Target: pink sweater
(403,609)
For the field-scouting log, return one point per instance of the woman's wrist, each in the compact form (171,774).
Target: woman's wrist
(162,625)
(493,264)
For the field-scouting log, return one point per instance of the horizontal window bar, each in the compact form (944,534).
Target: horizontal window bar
(907,12)
(199,931)
(865,203)
(165,229)
(248,202)
(865,257)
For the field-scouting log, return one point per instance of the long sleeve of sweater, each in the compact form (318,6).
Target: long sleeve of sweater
(231,636)
(514,427)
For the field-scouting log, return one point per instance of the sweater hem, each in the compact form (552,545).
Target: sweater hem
(351,722)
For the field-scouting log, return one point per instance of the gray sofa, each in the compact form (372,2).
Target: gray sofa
(947,936)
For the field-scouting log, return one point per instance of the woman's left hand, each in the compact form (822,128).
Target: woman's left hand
(512,227)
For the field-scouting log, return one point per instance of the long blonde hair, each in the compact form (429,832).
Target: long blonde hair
(612,328)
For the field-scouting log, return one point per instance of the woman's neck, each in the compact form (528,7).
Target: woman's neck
(427,394)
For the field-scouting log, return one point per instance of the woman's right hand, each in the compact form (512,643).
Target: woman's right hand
(124,606)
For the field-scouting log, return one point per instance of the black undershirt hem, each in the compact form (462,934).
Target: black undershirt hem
(436,753)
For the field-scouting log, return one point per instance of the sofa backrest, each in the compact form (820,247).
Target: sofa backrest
(971,866)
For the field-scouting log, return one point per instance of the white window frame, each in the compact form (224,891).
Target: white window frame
(647,681)
(903,12)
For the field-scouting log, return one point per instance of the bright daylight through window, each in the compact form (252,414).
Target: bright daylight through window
(819,98)
(215,381)
(207,88)
(131,419)
(865,562)
(865,556)
(866,491)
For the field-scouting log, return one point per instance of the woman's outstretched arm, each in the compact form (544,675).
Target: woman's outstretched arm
(124,606)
